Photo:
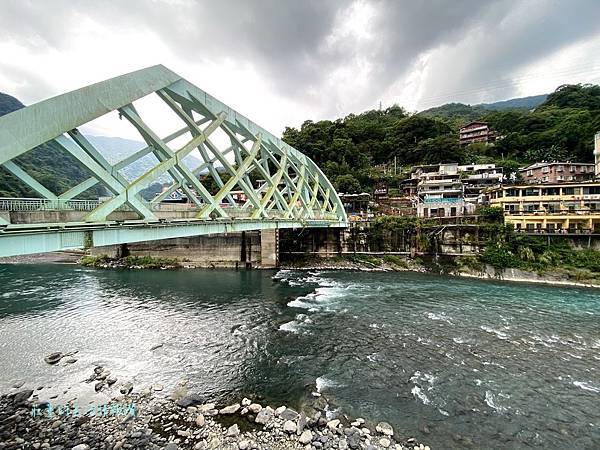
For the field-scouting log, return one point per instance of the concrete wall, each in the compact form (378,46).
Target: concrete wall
(248,249)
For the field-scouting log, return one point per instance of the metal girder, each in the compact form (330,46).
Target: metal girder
(292,186)
(58,237)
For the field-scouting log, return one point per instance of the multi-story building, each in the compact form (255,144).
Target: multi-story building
(557,172)
(597,154)
(449,190)
(551,207)
(476,132)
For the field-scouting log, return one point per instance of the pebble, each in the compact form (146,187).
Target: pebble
(333,424)
(306,437)
(157,387)
(289,426)
(246,402)
(233,430)
(254,408)
(231,409)
(200,420)
(243,445)
(264,416)
(279,410)
(81,447)
(53,358)
(385,442)
(207,407)
(126,388)
(385,428)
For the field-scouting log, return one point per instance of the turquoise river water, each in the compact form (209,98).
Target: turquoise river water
(456,363)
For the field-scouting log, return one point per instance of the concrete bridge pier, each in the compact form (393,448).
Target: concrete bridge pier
(269,249)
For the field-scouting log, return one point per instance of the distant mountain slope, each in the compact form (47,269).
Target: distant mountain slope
(460,113)
(58,171)
(48,164)
(528,103)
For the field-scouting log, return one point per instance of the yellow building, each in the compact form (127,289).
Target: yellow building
(560,207)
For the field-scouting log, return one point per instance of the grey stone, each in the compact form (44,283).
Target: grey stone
(190,400)
(98,386)
(246,402)
(22,396)
(71,360)
(207,407)
(333,424)
(288,414)
(243,445)
(200,420)
(231,409)
(170,446)
(233,430)
(385,428)
(126,388)
(254,408)
(385,442)
(354,441)
(18,384)
(306,437)
(53,358)
(264,416)
(301,423)
(289,426)
(343,444)
(111,380)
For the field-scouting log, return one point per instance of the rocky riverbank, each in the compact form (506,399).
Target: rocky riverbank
(146,417)
(393,263)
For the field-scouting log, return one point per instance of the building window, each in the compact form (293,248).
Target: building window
(530,173)
(560,168)
(545,169)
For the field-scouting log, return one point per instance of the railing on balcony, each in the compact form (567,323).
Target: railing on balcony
(443,200)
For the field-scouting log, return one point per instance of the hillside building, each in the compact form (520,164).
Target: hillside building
(553,207)
(557,172)
(476,132)
(449,190)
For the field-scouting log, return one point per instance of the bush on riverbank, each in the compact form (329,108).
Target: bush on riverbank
(130,262)
(536,253)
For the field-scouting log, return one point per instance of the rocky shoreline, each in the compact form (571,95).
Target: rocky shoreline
(150,420)
(486,273)
(146,417)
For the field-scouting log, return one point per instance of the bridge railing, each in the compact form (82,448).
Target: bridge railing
(11,204)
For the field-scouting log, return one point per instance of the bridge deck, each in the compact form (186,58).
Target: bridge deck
(26,239)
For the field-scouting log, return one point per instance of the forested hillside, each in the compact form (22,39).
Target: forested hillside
(562,127)
(52,167)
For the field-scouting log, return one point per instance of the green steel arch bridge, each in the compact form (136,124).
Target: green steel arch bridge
(280,187)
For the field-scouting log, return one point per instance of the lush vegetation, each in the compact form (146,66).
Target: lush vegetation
(507,249)
(347,149)
(130,262)
(54,168)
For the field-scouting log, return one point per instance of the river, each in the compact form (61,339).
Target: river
(457,363)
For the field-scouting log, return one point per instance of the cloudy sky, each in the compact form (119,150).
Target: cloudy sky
(281,62)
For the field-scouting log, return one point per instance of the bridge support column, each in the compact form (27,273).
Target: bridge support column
(269,248)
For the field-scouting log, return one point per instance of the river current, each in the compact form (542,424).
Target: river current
(457,363)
